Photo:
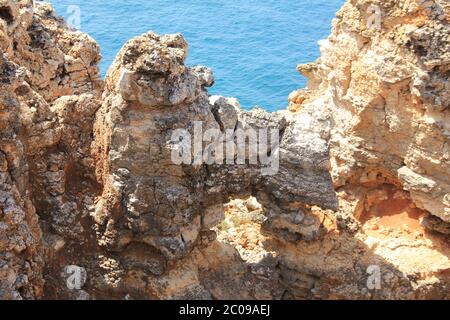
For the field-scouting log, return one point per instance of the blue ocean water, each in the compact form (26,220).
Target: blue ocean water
(253,46)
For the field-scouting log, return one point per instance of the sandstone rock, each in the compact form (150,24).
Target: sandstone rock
(386,91)
(160,200)
(87,175)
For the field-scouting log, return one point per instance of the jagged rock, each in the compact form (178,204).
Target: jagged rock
(88,176)
(435,224)
(149,95)
(43,138)
(387,92)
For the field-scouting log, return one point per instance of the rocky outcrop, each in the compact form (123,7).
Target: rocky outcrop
(387,90)
(116,189)
(49,91)
(383,79)
(149,203)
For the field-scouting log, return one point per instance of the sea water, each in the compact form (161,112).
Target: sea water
(253,46)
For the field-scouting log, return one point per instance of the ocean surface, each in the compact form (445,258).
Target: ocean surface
(253,46)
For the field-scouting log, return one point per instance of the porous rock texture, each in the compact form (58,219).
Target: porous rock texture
(151,205)
(49,90)
(385,88)
(88,178)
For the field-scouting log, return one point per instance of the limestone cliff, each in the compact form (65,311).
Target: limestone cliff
(388,93)
(49,90)
(88,181)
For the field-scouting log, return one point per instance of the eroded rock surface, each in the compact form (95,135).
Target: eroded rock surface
(49,91)
(151,204)
(90,189)
(383,79)
(387,89)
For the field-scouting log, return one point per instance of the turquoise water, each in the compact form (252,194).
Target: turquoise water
(253,46)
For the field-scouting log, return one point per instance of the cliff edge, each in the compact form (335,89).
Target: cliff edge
(143,186)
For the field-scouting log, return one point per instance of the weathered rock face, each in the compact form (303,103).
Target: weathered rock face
(152,205)
(49,86)
(383,80)
(113,184)
(387,88)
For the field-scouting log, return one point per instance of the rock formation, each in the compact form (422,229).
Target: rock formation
(49,90)
(352,202)
(385,90)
